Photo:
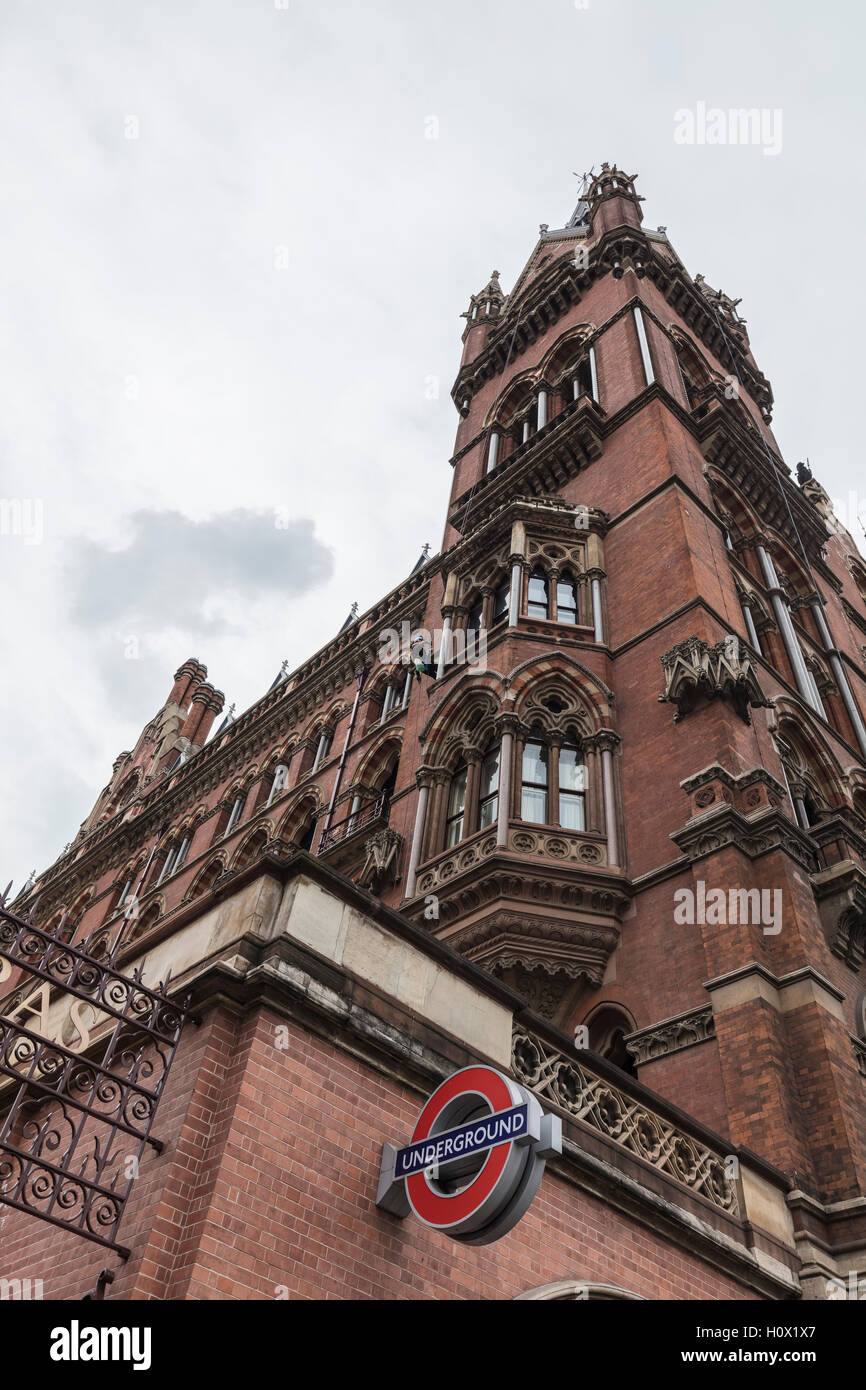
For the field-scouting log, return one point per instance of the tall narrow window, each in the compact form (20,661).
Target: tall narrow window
(281,776)
(533,798)
(235,813)
(750,627)
(181,854)
(488,791)
(646,360)
(456,808)
(473,627)
(500,601)
(566,600)
(572,789)
(537,605)
(323,749)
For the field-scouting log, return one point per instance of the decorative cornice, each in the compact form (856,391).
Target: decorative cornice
(672,1034)
(754,836)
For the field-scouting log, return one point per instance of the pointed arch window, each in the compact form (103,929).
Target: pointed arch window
(566,600)
(538,605)
(572,788)
(456,807)
(281,777)
(323,749)
(236,812)
(533,790)
(500,601)
(488,788)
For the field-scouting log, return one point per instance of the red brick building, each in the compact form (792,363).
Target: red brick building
(628,795)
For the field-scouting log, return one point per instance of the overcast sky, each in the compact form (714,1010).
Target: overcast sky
(233,260)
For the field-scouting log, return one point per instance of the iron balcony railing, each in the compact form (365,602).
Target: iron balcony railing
(370,811)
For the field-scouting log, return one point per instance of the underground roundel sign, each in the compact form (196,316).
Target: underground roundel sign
(475,1159)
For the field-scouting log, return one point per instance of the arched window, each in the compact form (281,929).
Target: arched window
(533,792)
(501,597)
(488,788)
(609,1026)
(538,606)
(236,812)
(306,833)
(475,617)
(572,788)
(323,749)
(456,807)
(252,848)
(566,599)
(143,924)
(553,782)
(207,878)
(281,777)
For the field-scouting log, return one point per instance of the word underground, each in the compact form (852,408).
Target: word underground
(738,126)
(465,1139)
(76,1343)
(717,908)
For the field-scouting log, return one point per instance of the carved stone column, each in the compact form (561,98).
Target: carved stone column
(422,778)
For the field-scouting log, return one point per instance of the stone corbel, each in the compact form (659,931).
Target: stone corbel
(695,671)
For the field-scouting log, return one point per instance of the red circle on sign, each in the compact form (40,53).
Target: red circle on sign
(432,1207)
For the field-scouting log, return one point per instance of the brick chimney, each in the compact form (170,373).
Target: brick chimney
(207,703)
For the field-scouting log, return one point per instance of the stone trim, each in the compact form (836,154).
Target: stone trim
(672,1034)
(783,992)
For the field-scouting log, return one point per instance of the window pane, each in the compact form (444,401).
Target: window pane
(489,774)
(537,610)
(533,805)
(572,772)
(571,811)
(566,603)
(455,831)
(457,794)
(535,763)
(538,590)
(489,811)
(500,601)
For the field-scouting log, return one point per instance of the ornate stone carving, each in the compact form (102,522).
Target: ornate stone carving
(381,857)
(672,1034)
(696,671)
(841,894)
(559,946)
(576,1090)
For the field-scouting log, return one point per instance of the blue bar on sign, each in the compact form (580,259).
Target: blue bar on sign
(470,1138)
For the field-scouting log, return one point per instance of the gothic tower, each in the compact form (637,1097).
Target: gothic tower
(608,744)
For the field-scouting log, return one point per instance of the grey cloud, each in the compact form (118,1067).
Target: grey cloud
(175,569)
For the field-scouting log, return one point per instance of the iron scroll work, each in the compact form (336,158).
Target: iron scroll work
(73,1133)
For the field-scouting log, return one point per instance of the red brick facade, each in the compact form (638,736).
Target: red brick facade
(712,688)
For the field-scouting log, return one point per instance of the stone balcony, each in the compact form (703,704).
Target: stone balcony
(543,912)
